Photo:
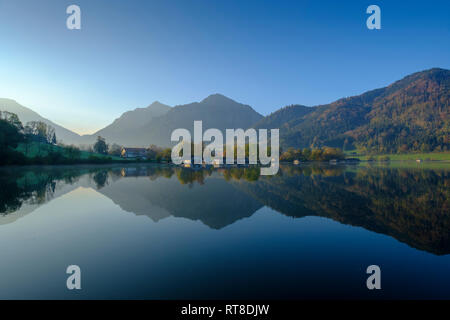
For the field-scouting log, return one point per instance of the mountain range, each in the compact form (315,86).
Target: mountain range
(122,129)
(216,111)
(411,114)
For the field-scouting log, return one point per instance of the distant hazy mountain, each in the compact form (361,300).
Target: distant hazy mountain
(155,123)
(216,111)
(128,122)
(411,114)
(25,115)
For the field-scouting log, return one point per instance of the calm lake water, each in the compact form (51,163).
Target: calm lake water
(159,232)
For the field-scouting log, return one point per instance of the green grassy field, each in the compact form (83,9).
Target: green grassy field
(36,149)
(432,156)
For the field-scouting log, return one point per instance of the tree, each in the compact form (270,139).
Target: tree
(9,135)
(73,152)
(38,129)
(307,153)
(332,153)
(166,154)
(153,151)
(319,154)
(288,155)
(51,135)
(115,150)
(11,130)
(28,137)
(12,118)
(316,154)
(100,146)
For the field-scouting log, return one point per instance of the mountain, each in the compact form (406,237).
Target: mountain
(25,115)
(216,111)
(154,124)
(280,117)
(128,122)
(411,114)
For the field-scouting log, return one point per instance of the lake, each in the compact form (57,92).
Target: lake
(162,232)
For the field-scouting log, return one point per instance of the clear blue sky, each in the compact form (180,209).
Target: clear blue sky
(267,54)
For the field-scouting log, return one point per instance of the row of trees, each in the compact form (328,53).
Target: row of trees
(13,132)
(153,152)
(42,138)
(317,154)
(157,153)
(32,131)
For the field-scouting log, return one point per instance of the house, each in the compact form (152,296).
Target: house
(217,163)
(140,153)
(186,163)
(194,162)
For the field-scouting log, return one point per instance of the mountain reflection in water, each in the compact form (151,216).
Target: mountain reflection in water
(410,204)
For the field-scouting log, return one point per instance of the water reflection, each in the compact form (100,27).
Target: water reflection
(409,204)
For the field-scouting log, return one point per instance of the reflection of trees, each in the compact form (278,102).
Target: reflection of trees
(166,172)
(248,174)
(100,178)
(34,186)
(311,170)
(10,197)
(189,176)
(38,185)
(411,205)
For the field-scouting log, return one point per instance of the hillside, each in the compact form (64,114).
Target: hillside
(154,124)
(216,111)
(280,117)
(411,114)
(25,115)
(127,122)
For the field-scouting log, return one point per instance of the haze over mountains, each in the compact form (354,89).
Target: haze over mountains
(154,124)
(25,115)
(411,114)
(216,111)
(127,123)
